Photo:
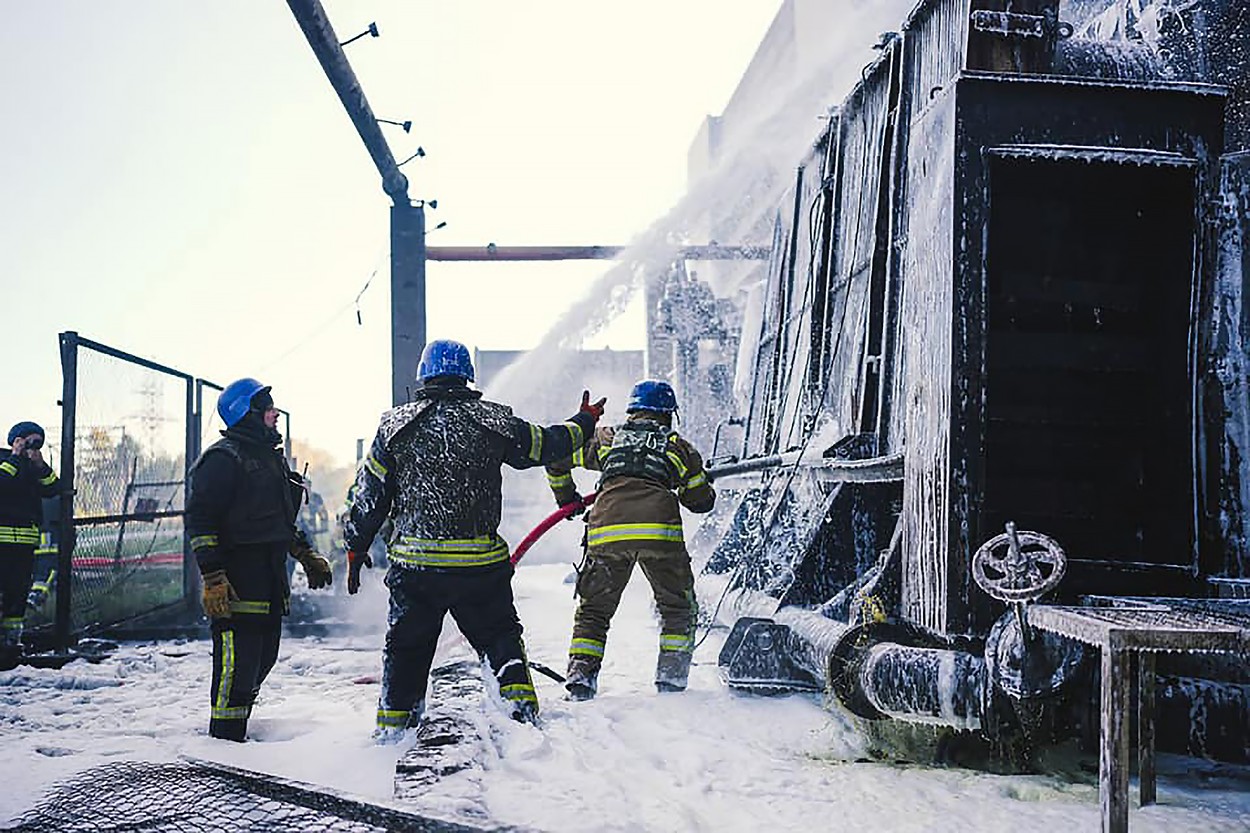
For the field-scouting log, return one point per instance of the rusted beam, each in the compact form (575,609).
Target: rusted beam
(491,252)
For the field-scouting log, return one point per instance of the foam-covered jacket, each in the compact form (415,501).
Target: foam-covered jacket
(434,470)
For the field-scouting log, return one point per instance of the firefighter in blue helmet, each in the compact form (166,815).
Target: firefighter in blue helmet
(25,479)
(242,502)
(648,473)
(434,471)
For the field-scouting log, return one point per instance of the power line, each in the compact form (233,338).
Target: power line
(320,328)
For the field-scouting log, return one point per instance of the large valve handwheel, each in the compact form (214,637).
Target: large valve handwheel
(1019,566)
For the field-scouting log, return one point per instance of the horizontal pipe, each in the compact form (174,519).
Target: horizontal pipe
(96,520)
(491,252)
(924,685)
(876,469)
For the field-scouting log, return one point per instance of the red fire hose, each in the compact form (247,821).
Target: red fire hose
(565,511)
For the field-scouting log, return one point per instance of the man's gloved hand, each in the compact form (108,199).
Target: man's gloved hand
(579,507)
(36,598)
(595,409)
(217,595)
(356,560)
(316,568)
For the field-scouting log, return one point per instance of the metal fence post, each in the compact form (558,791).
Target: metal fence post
(190,572)
(68,534)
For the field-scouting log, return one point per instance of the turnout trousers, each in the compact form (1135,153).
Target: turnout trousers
(245,648)
(17,561)
(480,601)
(599,587)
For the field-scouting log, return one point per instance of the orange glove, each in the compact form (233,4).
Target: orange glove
(356,560)
(218,594)
(595,409)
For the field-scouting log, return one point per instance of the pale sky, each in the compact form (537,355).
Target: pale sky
(181,182)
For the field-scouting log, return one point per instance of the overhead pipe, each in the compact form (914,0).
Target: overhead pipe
(491,252)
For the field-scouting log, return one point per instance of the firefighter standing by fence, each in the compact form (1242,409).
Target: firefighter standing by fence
(647,470)
(242,502)
(434,468)
(25,479)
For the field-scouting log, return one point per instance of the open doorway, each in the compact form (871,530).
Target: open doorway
(1088,431)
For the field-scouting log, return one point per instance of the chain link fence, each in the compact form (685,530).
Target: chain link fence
(115,538)
(201,796)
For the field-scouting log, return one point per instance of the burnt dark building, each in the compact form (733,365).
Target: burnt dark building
(996,435)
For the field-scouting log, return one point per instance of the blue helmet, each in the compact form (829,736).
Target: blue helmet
(445,357)
(652,395)
(25,429)
(236,400)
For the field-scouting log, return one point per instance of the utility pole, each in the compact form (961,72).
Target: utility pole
(407,218)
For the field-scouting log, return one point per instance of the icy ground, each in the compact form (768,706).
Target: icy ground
(629,760)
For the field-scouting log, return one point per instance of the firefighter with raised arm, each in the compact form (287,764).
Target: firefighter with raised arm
(25,479)
(242,502)
(648,472)
(434,470)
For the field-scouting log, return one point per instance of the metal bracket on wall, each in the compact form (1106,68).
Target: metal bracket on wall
(1009,24)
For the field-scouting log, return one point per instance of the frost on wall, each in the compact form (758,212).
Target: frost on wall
(1229,365)
(1194,40)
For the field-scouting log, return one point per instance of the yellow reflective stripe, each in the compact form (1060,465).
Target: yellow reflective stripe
(603,452)
(450,552)
(49,480)
(227,673)
(379,470)
(200,542)
(558,480)
(675,459)
(239,606)
(586,647)
(483,543)
(536,443)
(519,693)
(575,434)
(19,535)
(634,532)
(698,480)
(676,642)
(11,623)
(450,559)
(231,713)
(393,718)
(8,468)
(579,456)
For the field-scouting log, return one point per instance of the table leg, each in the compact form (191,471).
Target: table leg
(1114,749)
(1146,725)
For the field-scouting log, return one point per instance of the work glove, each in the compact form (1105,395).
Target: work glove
(356,560)
(218,594)
(317,569)
(595,409)
(579,509)
(316,566)
(36,598)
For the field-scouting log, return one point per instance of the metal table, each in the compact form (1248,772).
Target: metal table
(1120,633)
